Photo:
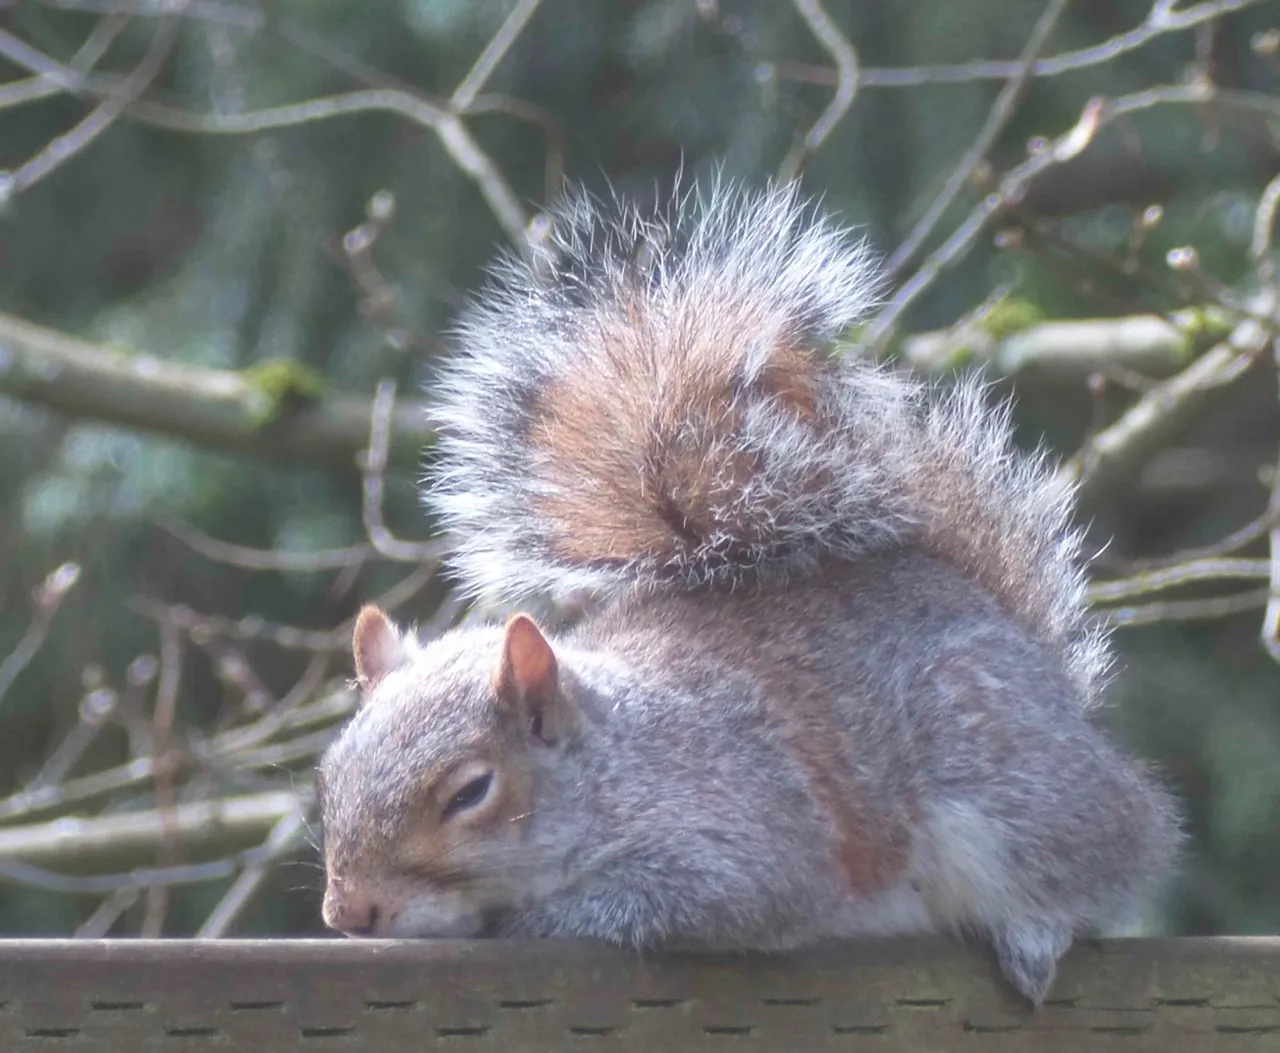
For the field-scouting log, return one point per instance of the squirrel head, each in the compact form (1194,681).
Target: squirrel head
(427,798)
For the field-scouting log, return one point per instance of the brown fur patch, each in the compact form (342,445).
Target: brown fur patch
(792,375)
(644,471)
(767,640)
(870,849)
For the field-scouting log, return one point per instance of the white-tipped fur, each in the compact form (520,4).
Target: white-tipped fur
(877,459)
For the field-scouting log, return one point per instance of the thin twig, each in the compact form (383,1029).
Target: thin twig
(225,748)
(287,835)
(1001,113)
(1063,350)
(250,627)
(22,54)
(1264,222)
(98,42)
(845,57)
(1260,254)
(166,755)
(1013,187)
(374,469)
(1270,631)
(555,138)
(61,149)
(48,598)
(33,89)
(1232,542)
(449,128)
(1158,23)
(473,83)
(287,637)
(95,710)
(1117,452)
(1187,610)
(16,872)
(259,559)
(1182,574)
(109,911)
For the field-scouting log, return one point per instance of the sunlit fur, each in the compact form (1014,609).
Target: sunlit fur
(690,306)
(840,676)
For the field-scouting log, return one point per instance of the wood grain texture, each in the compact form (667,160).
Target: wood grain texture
(1170,996)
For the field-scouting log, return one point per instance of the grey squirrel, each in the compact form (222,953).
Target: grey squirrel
(840,675)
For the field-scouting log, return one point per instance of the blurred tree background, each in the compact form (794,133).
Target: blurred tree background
(226,225)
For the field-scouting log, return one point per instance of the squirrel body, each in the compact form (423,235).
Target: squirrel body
(840,679)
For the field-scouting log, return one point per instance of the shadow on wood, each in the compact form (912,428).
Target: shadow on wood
(1171,996)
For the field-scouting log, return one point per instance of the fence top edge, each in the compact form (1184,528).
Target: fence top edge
(936,951)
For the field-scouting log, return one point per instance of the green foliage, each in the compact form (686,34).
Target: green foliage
(287,383)
(1011,315)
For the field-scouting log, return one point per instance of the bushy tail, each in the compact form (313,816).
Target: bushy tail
(651,403)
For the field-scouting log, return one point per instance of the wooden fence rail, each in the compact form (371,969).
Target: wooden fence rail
(900,996)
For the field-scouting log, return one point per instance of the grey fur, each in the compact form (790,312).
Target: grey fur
(896,462)
(865,712)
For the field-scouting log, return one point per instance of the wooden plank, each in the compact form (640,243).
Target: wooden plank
(893,996)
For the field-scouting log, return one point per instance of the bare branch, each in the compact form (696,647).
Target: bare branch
(167,761)
(258,559)
(1117,452)
(73,77)
(250,627)
(1001,113)
(374,468)
(224,409)
(21,92)
(22,54)
(224,750)
(1159,22)
(96,709)
(198,827)
(47,599)
(66,146)
(287,637)
(1012,188)
(1259,252)
(286,836)
(1263,228)
(1182,574)
(1232,542)
(1187,610)
(102,920)
(453,135)
(473,83)
(842,52)
(555,138)
(1147,344)
(25,874)
(448,127)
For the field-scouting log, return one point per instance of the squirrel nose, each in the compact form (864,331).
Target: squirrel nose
(350,912)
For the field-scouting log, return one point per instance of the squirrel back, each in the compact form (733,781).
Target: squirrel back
(650,401)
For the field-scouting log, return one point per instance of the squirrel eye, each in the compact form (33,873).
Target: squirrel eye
(470,795)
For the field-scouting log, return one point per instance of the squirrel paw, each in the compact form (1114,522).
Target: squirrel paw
(1028,954)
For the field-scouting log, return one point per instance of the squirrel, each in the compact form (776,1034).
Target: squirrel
(839,676)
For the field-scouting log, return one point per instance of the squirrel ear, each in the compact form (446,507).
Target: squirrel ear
(378,648)
(527,678)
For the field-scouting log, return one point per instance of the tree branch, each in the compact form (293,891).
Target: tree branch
(1116,453)
(274,411)
(1071,349)
(199,828)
